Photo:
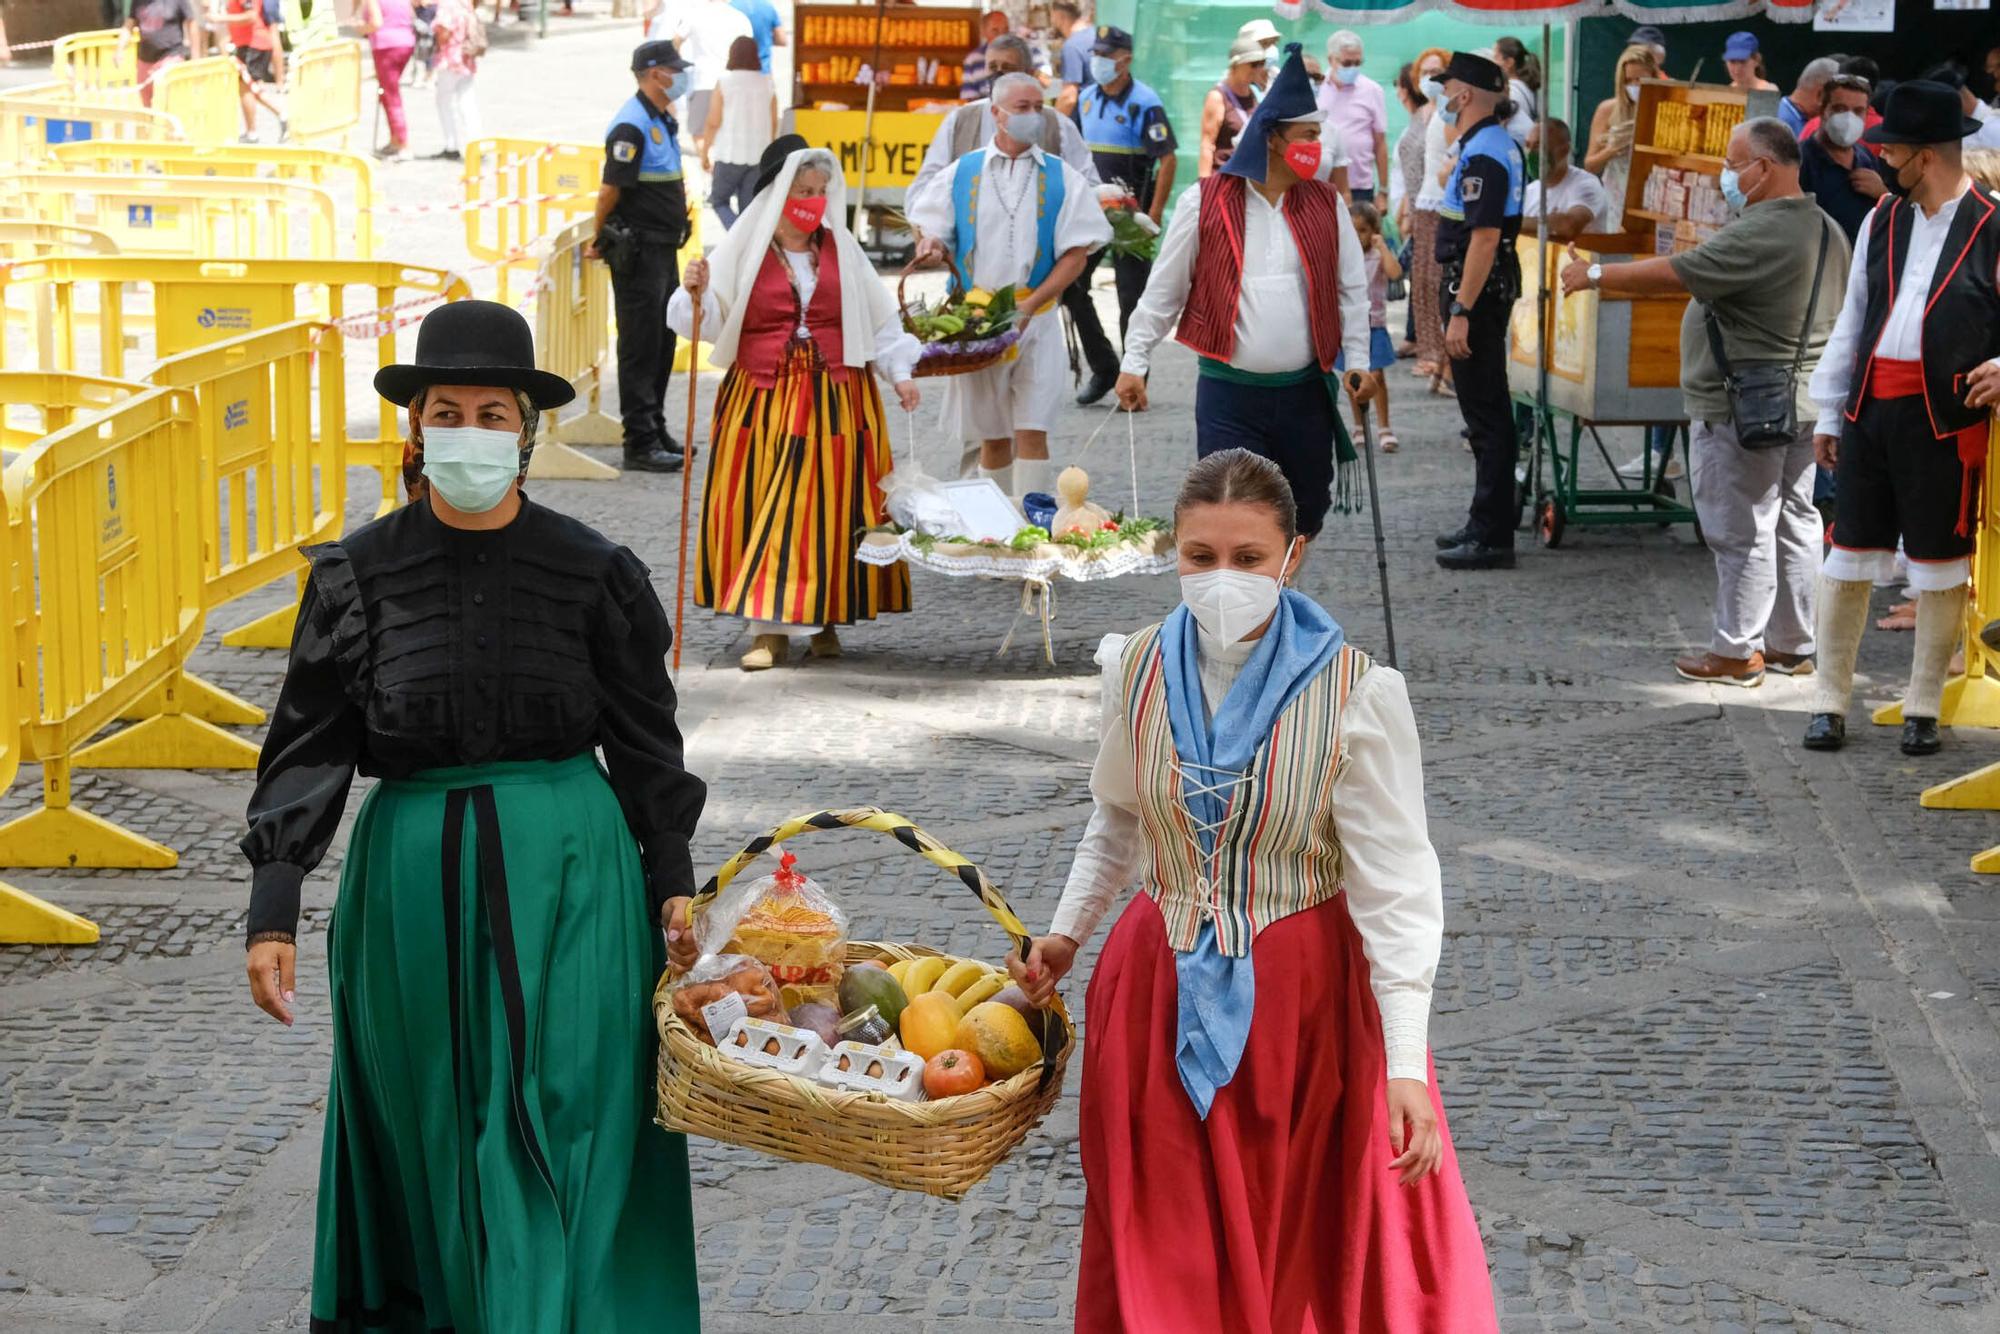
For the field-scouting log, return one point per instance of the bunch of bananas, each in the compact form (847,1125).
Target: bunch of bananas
(967,981)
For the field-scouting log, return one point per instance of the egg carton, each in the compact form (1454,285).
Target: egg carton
(896,1074)
(774,1046)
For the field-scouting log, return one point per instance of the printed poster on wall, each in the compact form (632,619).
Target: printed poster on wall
(1962,4)
(1855,16)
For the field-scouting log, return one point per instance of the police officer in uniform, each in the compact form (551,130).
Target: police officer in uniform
(1477,224)
(642,222)
(1132,144)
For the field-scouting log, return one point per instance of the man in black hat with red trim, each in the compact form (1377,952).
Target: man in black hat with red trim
(1904,390)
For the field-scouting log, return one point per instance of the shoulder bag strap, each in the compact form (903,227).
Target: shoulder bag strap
(1812,302)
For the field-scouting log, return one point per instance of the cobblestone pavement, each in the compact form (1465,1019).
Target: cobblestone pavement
(1716,1020)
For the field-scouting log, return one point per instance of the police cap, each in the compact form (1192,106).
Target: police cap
(657,55)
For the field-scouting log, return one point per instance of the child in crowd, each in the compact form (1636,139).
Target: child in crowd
(1383,269)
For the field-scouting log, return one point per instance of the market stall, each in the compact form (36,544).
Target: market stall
(1613,362)
(870,82)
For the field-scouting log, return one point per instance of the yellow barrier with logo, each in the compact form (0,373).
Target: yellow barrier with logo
(38,403)
(269,408)
(35,118)
(24,919)
(202,96)
(184,217)
(100,66)
(97,528)
(197,302)
(331,169)
(573,339)
(528,190)
(323,94)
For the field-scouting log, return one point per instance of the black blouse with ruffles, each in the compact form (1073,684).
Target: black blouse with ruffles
(423,646)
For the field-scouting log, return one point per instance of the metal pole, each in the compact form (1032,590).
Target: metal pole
(1381,544)
(868,126)
(1542,330)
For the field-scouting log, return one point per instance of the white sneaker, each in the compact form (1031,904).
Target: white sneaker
(1636,468)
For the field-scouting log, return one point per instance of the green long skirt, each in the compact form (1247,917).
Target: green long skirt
(490,1163)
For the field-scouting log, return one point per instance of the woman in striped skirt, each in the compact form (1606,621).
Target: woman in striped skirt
(1263,1144)
(799,448)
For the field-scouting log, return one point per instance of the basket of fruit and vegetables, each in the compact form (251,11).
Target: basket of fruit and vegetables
(920,1072)
(964,332)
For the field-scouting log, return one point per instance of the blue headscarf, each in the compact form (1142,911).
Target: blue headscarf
(1217,992)
(1289,98)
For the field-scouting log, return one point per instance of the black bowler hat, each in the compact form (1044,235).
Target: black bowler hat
(1475,72)
(775,155)
(657,55)
(1110,41)
(1921,112)
(474,342)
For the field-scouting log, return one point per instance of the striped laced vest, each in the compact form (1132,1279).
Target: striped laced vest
(1276,851)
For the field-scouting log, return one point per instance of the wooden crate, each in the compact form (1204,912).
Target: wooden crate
(1609,360)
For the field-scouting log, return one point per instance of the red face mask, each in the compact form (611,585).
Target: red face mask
(1302,156)
(806,213)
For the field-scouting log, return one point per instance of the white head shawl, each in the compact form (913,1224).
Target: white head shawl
(865,305)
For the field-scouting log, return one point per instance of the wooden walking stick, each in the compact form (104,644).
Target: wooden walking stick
(687,484)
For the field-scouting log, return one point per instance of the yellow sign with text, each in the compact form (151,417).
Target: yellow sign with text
(900,140)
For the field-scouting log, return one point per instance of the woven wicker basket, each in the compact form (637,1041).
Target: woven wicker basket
(938,1148)
(955,363)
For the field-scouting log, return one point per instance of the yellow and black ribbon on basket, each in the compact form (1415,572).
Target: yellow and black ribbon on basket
(1053,1035)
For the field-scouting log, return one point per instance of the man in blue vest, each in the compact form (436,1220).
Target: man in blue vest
(1477,224)
(642,221)
(1012,215)
(1132,144)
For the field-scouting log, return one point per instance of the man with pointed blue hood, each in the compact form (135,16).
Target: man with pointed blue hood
(1260,272)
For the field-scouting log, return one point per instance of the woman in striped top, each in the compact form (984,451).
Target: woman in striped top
(1262,777)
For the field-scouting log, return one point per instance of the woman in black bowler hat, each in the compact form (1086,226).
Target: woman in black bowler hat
(489,1163)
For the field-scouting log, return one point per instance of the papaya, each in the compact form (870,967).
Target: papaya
(1017,1000)
(998,1035)
(985,989)
(924,974)
(862,987)
(962,974)
(930,1024)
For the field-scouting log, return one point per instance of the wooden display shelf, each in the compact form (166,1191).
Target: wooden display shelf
(957,28)
(1702,162)
(1647,153)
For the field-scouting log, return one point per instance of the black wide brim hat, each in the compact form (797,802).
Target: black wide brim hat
(474,342)
(1921,112)
(774,158)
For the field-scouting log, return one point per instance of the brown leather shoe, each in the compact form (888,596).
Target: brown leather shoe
(1788,664)
(1721,671)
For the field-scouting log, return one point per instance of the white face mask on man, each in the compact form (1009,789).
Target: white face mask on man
(1844,128)
(1024,127)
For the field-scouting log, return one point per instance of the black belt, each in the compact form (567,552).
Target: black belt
(492,877)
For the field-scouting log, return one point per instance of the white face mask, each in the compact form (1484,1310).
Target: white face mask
(1844,128)
(471,467)
(1345,75)
(1024,127)
(1431,89)
(1632,91)
(1229,604)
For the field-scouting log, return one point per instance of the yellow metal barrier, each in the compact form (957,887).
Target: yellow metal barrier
(268,411)
(573,340)
(20,239)
(323,94)
(184,217)
(100,66)
(24,919)
(98,530)
(38,403)
(330,169)
(194,303)
(202,96)
(39,116)
(530,190)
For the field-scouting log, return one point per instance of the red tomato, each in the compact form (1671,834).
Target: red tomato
(952,1072)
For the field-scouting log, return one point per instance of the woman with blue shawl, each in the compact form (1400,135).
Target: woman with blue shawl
(1262,1140)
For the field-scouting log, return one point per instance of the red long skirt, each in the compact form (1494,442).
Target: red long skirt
(1278,1214)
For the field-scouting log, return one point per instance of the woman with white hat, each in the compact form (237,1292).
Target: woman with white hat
(800,444)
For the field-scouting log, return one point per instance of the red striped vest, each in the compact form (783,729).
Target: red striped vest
(772,317)
(1277,852)
(1208,321)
